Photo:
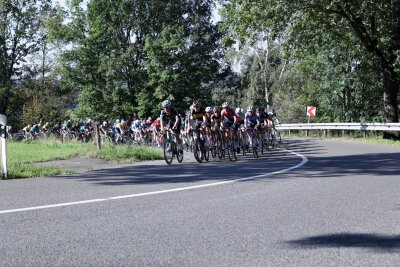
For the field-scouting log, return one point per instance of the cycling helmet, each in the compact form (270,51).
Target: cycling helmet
(196,104)
(166,104)
(250,108)
(117,120)
(225,105)
(208,109)
(216,109)
(238,110)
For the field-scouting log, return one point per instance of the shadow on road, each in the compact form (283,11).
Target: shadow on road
(381,243)
(190,172)
(320,165)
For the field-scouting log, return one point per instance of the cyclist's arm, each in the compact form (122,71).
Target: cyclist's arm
(177,120)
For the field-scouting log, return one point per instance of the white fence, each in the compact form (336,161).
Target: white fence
(342,126)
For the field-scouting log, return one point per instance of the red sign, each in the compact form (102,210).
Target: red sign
(311,111)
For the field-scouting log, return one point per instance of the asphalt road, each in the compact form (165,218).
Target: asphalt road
(310,203)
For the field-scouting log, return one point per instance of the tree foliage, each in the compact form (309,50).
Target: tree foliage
(310,27)
(128,56)
(21,36)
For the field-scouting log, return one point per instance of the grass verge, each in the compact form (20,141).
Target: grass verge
(22,156)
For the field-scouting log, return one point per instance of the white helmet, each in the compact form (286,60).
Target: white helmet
(250,108)
(225,104)
(208,109)
(117,120)
(238,110)
(166,104)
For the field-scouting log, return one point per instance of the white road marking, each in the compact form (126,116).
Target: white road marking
(304,161)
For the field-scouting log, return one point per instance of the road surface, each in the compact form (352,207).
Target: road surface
(309,203)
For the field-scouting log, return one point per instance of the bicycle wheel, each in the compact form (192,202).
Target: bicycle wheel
(168,151)
(220,147)
(233,154)
(273,141)
(213,149)
(243,142)
(206,153)
(254,148)
(197,151)
(231,150)
(179,156)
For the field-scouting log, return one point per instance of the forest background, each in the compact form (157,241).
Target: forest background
(121,58)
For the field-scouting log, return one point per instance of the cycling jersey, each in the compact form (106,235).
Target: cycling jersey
(169,118)
(217,119)
(251,120)
(228,113)
(263,117)
(208,120)
(197,115)
(239,119)
(35,129)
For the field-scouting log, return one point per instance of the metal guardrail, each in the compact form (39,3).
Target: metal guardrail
(342,126)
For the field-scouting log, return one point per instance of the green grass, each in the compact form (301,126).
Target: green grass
(127,154)
(22,156)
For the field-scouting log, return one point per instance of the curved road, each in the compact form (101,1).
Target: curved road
(310,203)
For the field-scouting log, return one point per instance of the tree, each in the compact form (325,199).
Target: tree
(129,55)
(21,22)
(307,25)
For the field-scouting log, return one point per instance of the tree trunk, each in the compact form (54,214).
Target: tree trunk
(391,86)
(391,89)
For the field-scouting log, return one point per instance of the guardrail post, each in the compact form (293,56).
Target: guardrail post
(3,143)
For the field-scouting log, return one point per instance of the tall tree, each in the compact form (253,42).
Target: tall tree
(21,22)
(310,24)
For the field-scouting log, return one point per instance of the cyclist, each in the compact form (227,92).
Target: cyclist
(263,127)
(217,119)
(198,118)
(46,129)
(137,131)
(104,127)
(119,130)
(35,130)
(239,122)
(156,130)
(169,116)
(207,125)
(230,120)
(26,129)
(251,122)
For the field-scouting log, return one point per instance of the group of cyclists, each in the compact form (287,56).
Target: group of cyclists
(237,128)
(253,125)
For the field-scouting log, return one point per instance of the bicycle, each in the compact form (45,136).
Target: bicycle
(170,147)
(200,151)
(230,144)
(254,141)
